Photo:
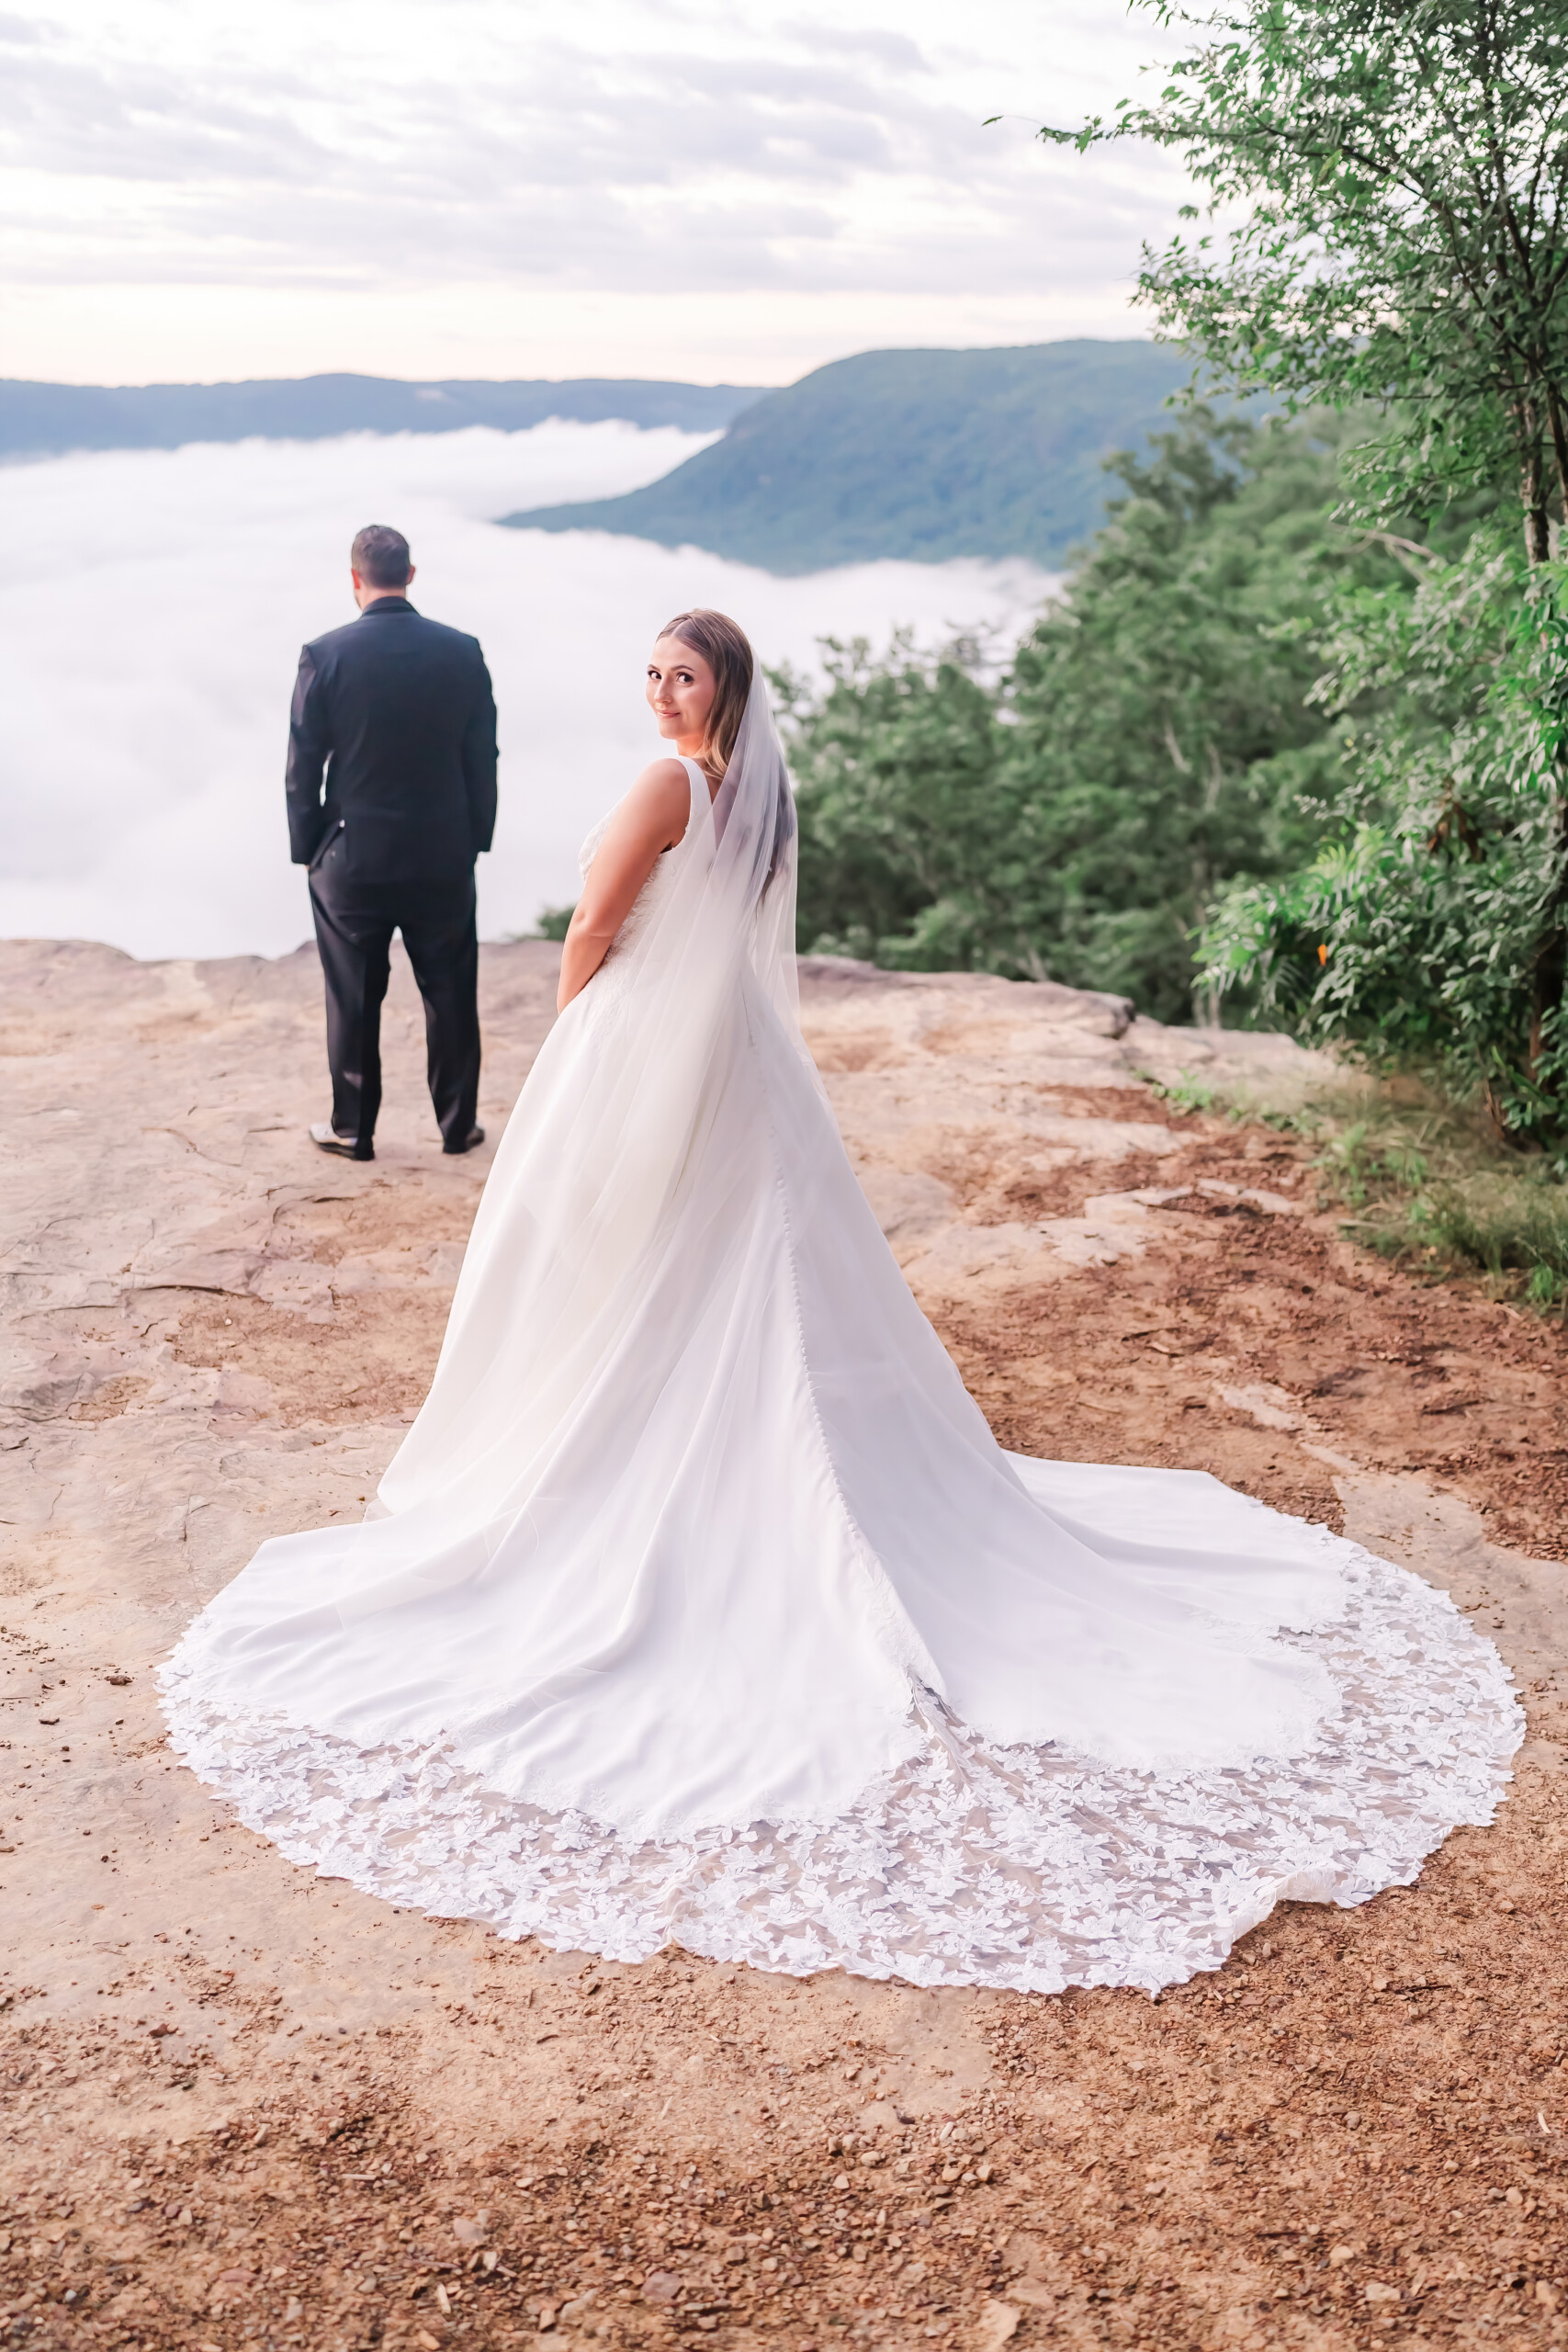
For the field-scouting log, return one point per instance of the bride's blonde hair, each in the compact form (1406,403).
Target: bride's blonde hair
(726,649)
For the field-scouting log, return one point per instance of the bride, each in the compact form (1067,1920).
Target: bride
(700,1604)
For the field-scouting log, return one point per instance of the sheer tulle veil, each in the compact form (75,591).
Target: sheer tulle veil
(755,883)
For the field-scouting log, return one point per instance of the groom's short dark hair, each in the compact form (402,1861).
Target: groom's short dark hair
(380,556)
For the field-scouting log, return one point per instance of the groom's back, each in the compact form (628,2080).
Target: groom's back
(400,707)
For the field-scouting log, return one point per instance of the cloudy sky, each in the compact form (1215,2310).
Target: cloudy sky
(203,189)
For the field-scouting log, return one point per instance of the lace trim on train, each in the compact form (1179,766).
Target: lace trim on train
(970,1864)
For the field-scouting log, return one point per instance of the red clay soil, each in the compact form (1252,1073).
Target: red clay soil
(1404,1372)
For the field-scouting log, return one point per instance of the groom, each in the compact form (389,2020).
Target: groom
(395,714)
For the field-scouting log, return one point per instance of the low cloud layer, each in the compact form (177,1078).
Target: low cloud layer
(155,604)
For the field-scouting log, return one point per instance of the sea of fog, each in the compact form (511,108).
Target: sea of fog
(153,603)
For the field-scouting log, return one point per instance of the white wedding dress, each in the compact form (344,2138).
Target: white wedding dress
(700,1605)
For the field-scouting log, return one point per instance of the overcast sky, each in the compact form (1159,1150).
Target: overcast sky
(201,189)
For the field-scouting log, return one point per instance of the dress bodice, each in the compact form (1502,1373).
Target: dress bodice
(665,867)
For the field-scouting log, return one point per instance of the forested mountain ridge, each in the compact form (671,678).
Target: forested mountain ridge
(49,420)
(920,454)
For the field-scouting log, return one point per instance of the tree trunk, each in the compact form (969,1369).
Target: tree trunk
(1559,425)
(1537,527)
(1532,486)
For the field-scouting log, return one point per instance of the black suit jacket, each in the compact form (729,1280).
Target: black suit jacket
(396,712)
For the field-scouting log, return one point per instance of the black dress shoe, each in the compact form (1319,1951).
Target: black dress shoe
(476,1137)
(325,1138)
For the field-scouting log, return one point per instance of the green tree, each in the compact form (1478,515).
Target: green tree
(1419,929)
(1402,167)
(1162,743)
(1151,742)
(903,858)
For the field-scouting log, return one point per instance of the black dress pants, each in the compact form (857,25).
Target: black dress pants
(355,922)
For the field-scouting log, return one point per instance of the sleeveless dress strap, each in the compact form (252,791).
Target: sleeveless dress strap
(702,799)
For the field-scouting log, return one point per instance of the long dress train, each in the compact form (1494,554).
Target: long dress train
(700,1604)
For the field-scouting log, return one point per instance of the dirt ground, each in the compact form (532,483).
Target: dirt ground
(243,2106)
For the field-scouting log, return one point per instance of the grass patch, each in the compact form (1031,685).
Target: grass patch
(1184,1091)
(1511,1226)
(1428,1183)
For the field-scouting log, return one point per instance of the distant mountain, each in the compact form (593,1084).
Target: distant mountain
(924,455)
(48,420)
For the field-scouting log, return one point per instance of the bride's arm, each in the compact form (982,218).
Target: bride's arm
(652,818)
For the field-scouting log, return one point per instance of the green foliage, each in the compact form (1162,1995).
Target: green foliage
(1400,167)
(553,922)
(1151,743)
(1186,1094)
(904,854)
(1434,1188)
(922,455)
(1500,1226)
(1362,1165)
(1429,926)
(1162,741)
(1430,1181)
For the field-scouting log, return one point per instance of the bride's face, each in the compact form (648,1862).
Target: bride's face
(681,688)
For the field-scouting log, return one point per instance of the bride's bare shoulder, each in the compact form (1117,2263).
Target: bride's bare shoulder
(654,814)
(663,793)
(663,778)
